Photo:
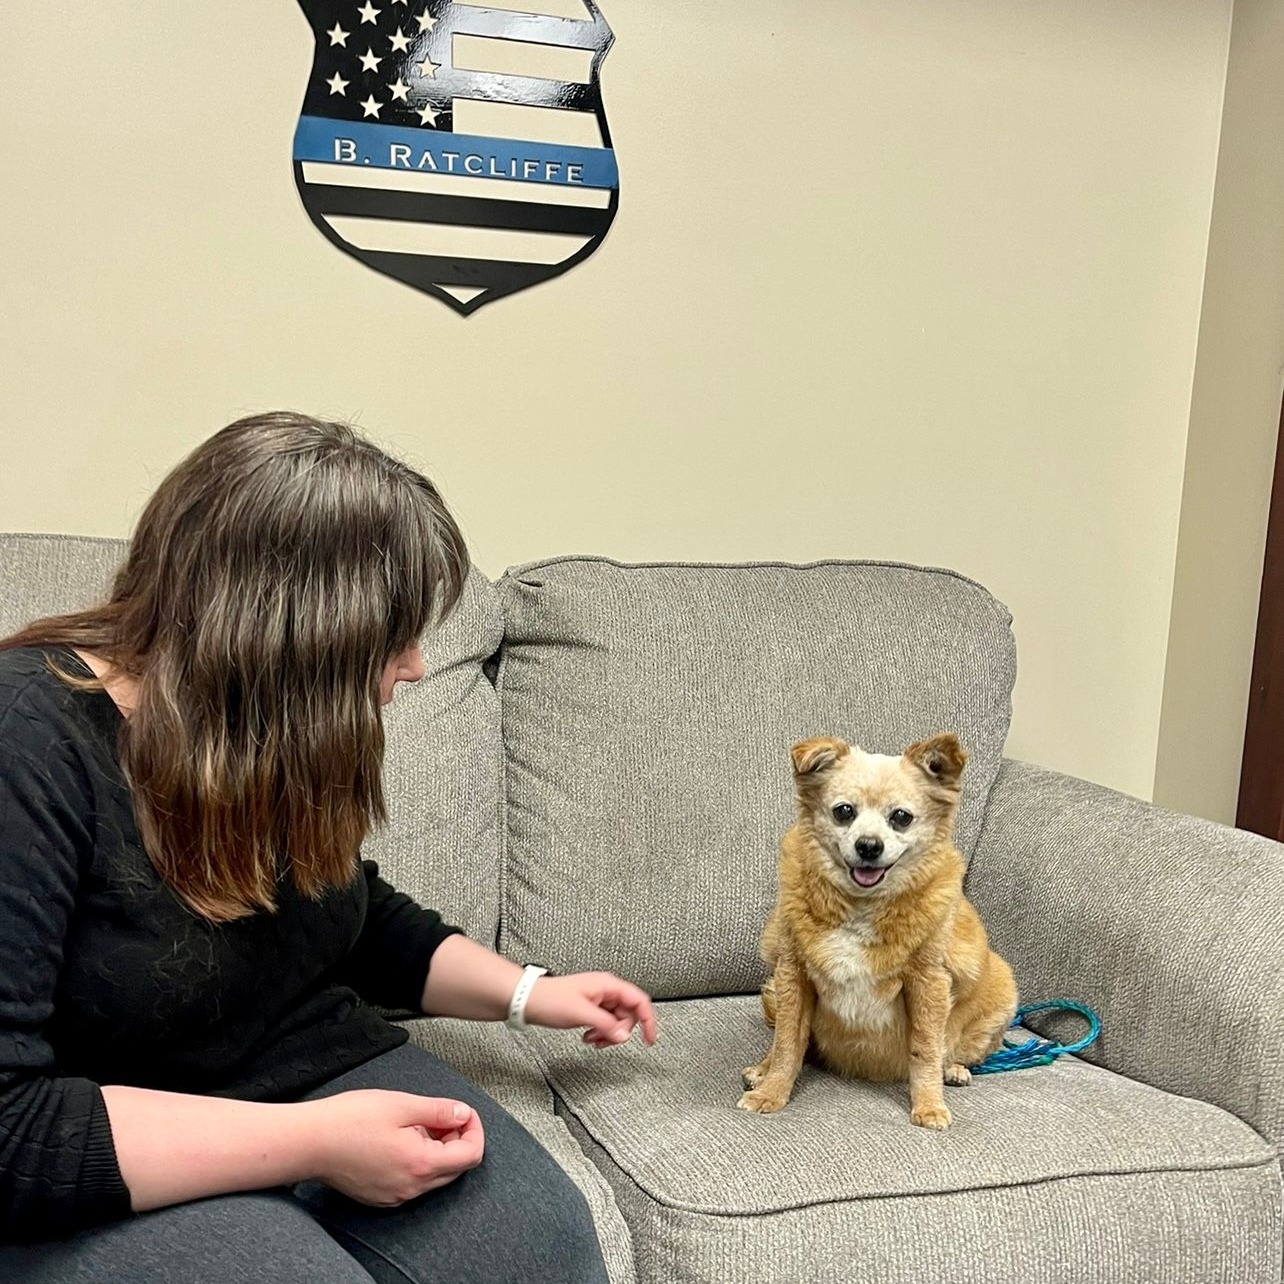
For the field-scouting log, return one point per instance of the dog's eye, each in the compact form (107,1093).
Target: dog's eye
(844,812)
(900,819)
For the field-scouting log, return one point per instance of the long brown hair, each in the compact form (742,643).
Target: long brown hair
(269,580)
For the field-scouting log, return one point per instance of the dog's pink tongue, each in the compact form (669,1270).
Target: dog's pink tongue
(867,877)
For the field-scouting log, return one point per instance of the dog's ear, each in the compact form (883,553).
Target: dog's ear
(940,757)
(811,756)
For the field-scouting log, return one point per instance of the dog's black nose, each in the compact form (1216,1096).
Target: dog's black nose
(869,848)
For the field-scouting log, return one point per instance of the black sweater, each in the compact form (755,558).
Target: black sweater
(106,977)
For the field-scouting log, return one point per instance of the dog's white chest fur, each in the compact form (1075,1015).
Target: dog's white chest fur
(848,988)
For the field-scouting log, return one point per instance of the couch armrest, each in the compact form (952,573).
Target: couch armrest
(1171,928)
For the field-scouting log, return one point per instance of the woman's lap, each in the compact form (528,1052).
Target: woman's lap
(516,1217)
(260,1235)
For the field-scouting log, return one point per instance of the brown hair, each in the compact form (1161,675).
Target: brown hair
(270,579)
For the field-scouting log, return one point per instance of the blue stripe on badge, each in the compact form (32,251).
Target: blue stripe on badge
(339,142)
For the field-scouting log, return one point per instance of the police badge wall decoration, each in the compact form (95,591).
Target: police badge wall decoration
(461,150)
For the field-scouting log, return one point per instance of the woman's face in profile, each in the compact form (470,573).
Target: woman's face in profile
(408,666)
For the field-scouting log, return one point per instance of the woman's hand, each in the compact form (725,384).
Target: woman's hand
(608,1006)
(383,1148)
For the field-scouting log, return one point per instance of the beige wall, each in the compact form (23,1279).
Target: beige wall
(918,280)
(1233,427)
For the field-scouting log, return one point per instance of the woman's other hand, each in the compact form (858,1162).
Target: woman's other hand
(384,1148)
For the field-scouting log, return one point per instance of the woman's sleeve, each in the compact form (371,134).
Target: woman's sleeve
(388,964)
(58,1169)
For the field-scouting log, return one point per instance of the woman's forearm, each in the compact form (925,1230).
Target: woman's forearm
(468,980)
(172,1147)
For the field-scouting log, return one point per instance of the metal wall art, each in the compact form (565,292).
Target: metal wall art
(462,150)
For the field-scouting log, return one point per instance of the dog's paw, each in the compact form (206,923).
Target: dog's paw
(752,1076)
(937,1117)
(958,1075)
(759,1102)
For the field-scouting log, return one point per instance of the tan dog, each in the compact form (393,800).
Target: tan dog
(879,962)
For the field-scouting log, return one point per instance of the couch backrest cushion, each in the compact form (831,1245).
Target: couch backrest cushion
(443,765)
(443,772)
(648,713)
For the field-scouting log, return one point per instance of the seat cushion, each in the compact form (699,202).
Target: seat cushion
(1060,1173)
(648,716)
(443,761)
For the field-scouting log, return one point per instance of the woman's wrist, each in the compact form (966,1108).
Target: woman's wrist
(530,977)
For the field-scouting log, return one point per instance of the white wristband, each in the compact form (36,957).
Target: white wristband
(517,1004)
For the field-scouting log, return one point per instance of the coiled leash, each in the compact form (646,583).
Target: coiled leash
(1036,1051)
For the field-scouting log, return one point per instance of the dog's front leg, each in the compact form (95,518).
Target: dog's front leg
(795,1000)
(927,998)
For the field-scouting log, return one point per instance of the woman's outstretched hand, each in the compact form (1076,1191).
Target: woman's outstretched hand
(609,1007)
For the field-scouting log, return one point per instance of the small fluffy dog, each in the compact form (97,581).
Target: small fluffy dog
(878,961)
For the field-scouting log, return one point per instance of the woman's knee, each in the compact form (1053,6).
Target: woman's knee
(545,1216)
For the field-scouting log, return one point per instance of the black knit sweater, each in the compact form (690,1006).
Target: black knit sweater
(107,978)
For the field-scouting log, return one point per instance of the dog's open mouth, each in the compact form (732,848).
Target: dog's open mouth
(868,877)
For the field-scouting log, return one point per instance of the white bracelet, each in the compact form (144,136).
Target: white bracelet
(517,1004)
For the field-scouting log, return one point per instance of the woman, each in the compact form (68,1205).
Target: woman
(193,1086)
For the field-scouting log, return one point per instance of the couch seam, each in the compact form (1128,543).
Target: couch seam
(751,564)
(1001,611)
(1270,1160)
(501,805)
(1267,1162)
(55,538)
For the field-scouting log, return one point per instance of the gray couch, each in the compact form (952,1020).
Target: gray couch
(595,774)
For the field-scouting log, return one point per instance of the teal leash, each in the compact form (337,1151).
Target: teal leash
(1036,1051)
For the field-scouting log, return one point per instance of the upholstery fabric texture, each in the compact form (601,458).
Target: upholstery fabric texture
(1171,928)
(1066,1172)
(1217,1227)
(443,773)
(648,713)
(53,574)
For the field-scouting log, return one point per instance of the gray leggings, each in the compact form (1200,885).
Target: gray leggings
(516,1217)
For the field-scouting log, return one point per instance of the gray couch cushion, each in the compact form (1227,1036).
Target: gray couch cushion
(443,772)
(52,574)
(443,765)
(648,714)
(1164,924)
(1061,1173)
